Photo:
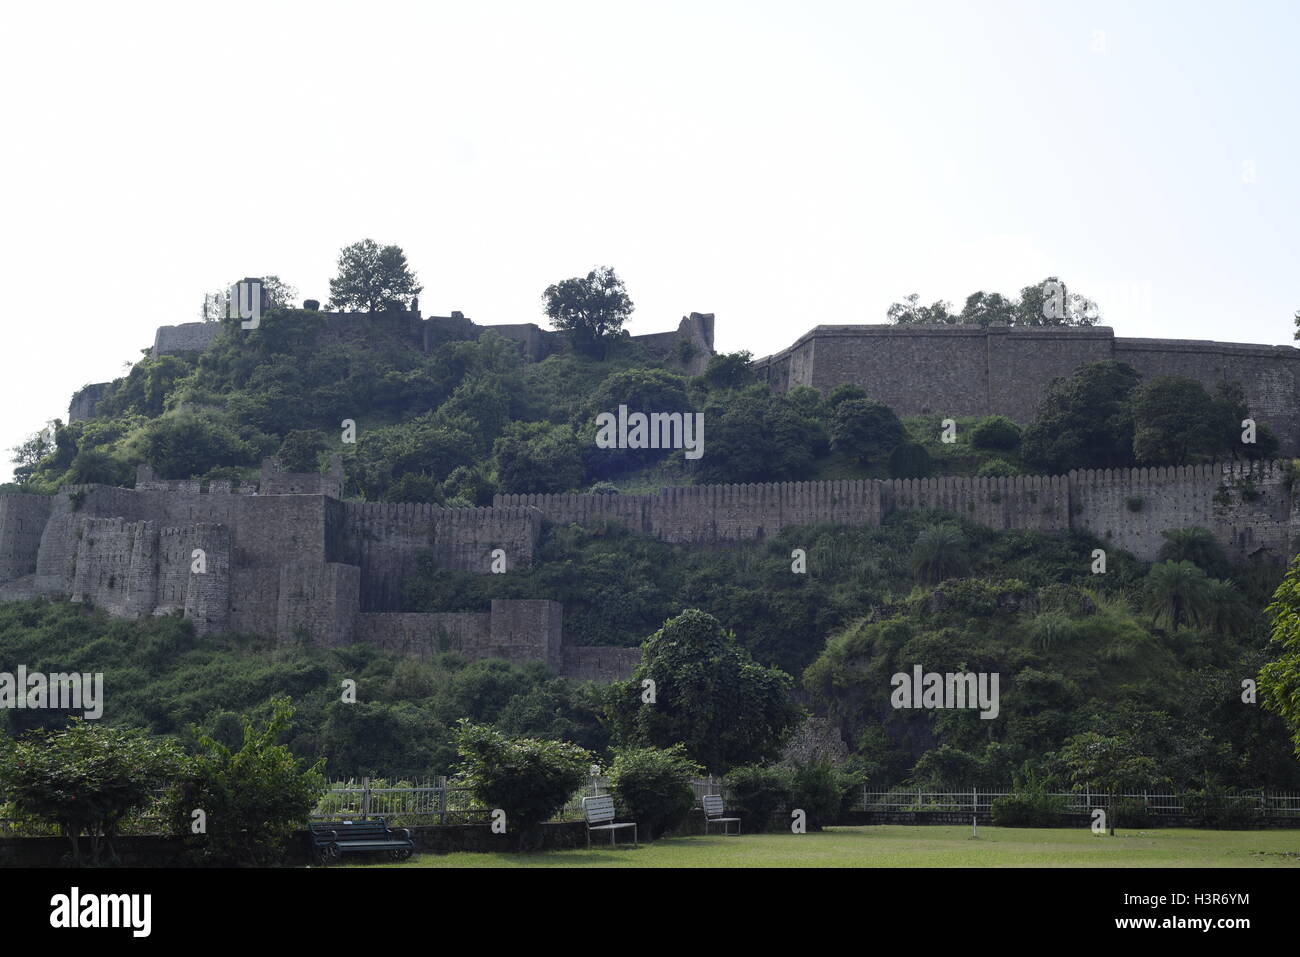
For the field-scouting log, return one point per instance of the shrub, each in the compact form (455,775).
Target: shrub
(1218,807)
(996,433)
(996,468)
(758,792)
(939,553)
(653,786)
(1028,809)
(253,799)
(530,779)
(85,777)
(909,460)
(818,789)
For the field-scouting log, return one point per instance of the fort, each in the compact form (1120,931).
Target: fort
(688,347)
(289,557)
(962,371)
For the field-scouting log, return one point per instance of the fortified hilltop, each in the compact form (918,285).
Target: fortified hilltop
(289,557)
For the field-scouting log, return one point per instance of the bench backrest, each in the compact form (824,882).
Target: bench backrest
(598,809)
(349,830)
(712,805)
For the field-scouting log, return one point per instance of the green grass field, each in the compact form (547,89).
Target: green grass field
(890,846)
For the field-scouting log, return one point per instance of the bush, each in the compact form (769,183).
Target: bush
(85,777)
(757,793)
(1217,807)
(1028,809)
(818,789)
(996,468)
(253,799)
(653,786)
(909,460)
(995,433)
(531,780)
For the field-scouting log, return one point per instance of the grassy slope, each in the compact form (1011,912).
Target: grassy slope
(922,846)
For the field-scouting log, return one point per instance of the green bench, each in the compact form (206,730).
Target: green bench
(330,840)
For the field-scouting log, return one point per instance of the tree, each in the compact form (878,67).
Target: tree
(1279,680)
(1176,594)
(1050,303)
(537,457)
(865,430)
(710,697)
(730,370)
(939,554)
(1107,764)
(1084,421)
(372,277)
(910,312)
(995,432)
(252,799)
(527,778)
(988,309)
(591,308)
(653,786)
(1175,422)
(86,777)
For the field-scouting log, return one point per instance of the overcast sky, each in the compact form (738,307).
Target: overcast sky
(779,164)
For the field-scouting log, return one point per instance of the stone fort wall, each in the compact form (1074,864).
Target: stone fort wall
(972,370)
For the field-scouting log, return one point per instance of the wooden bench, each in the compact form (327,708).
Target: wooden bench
(713,814)
(331,839)
(599,812)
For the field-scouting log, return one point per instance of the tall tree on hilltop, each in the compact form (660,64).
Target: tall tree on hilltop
(590,309)
(372,277)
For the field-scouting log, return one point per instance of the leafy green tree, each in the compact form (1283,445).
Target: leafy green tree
(642,390)
(988,309)
(1084,421)
(909,460)
(301,450)
(590,308)
(1176,594)
(996,433)
(710,697)
(758,792)
(865,430)
(758,438)
(537,457)
(372,277)
(252,799)
(730,370)
(1108,764)
(1177,423)
(939,554)
(85,778)
(189,445)
(910,312)
(1279,680)
(529,779)
(653,786)
(1050,303)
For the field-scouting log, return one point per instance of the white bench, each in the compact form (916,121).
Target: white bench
(713,814)
(599,812)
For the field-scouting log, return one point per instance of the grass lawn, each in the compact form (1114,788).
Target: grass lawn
(925,846)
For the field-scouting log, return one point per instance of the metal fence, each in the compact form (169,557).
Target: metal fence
(1267,802)
(435,801)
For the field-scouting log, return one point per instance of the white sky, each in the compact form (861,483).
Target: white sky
(779,164)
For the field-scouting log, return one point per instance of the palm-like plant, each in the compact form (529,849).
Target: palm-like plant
(1226,611)
(939,554)
(1176,593)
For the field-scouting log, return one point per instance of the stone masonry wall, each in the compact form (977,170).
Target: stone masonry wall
(971,370)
